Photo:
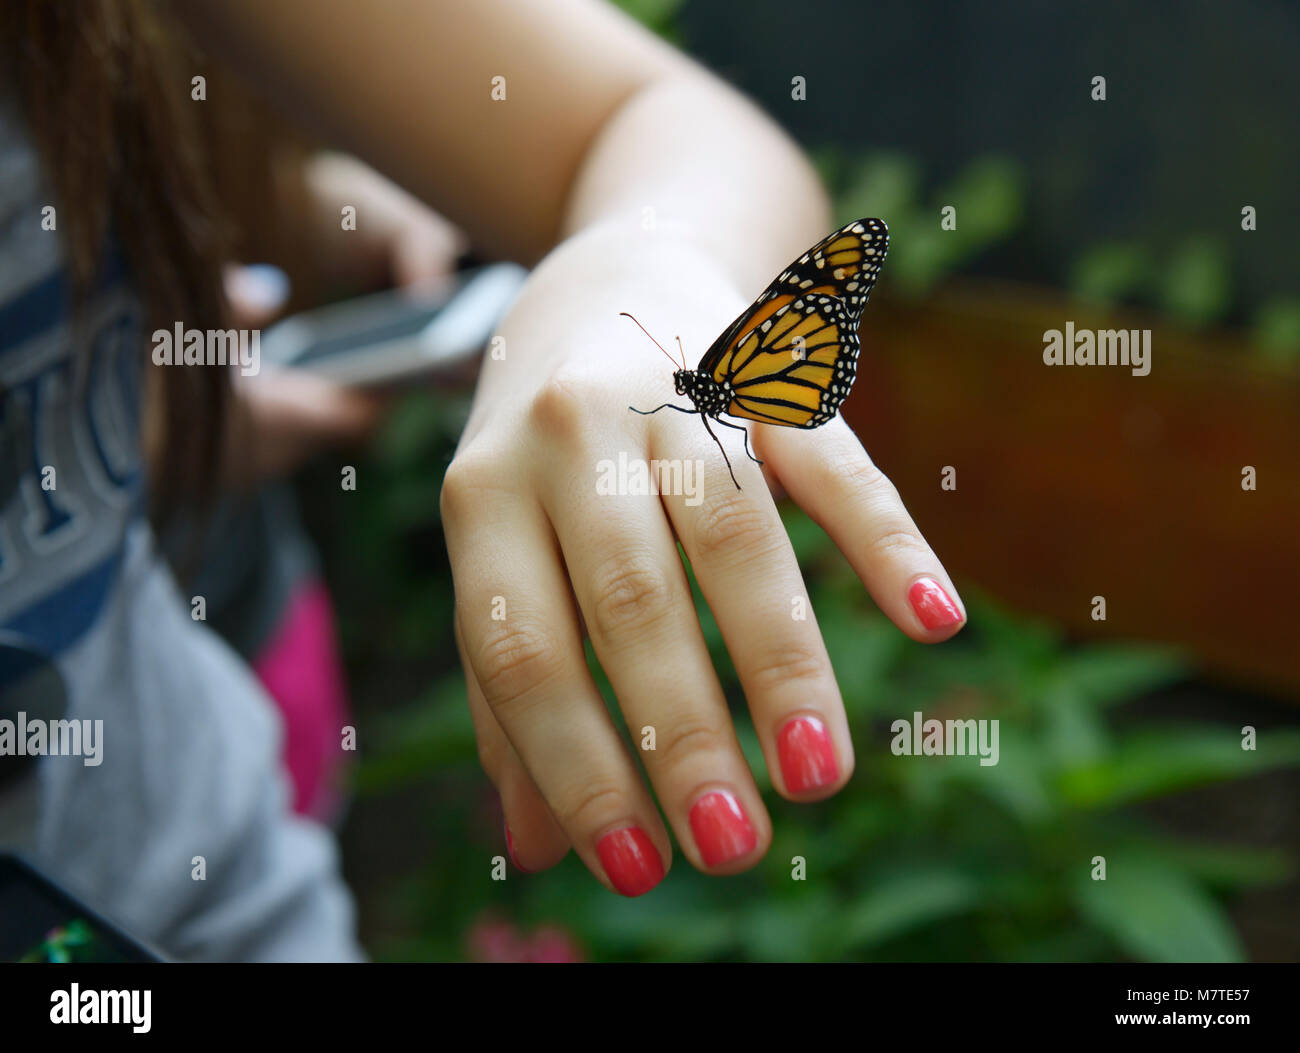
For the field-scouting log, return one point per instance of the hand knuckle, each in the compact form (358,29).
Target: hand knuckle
(631,594)
(893,544)
(592,805)
(789,664)
(688,737)
(859,480)
(562,408)
(731,527)
(514,658)
(468,476)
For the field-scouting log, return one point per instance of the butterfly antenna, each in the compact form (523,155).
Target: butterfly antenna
(652,339)
(682,350)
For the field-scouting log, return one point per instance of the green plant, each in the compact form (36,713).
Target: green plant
(1110,272)
(1277,329)
(926,244)
(660,16)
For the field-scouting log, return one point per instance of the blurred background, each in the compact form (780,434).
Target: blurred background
(1120,737)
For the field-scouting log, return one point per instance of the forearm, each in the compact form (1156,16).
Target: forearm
(687,203)
(572,302)
(525,121)
(688,156)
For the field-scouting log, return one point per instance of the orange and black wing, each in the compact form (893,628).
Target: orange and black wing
(797,367)
(843,265)
(792,357)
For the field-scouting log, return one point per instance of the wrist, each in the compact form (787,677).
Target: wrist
(568,312)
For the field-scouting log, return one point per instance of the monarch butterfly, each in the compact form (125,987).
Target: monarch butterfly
(791,357)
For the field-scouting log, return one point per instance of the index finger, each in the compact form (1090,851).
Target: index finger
(831,477)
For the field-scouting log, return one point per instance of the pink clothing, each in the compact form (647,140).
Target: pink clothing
(301,669)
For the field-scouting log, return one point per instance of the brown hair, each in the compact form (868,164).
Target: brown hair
(105,89)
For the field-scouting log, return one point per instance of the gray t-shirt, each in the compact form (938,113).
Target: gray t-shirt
(189,762)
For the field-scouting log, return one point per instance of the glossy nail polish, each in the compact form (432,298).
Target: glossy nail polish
(721,828)
(631,860)
(933,605)
(807,755)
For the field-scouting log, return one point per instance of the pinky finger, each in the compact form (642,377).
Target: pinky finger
(534,840)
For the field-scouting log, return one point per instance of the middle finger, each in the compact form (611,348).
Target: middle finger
(632,589)
(746,567)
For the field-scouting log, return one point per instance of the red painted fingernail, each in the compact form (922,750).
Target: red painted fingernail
(807,755)
(510,847)
(933,606)
(721,828)
(631,861)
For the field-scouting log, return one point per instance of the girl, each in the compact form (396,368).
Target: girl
(559,134)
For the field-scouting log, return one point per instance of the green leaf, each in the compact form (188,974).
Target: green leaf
(657,15)
(415,741)
(1156,913)
(1105,674)
(1108,273)
(1154,762)
(863,650)
(1223,866)
(807,539)
(1277,330)
(989,198)
(923,255)
(1074,733)
(1017,782)
(688,917)
(788,930)
(885,185)
(902,901)
(417,423)
(831,164)
(753,751)
(1197,286)
(1015,642)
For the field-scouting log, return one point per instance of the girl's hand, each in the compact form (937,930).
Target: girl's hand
(541,557)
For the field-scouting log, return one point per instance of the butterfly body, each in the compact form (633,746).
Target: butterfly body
(706,394)
(791,358)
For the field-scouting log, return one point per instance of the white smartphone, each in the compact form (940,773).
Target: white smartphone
(402,335)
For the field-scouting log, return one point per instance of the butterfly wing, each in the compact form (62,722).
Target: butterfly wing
(792,356)
(843,265)
(798,366)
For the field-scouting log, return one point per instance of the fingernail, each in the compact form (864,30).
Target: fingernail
(631,861)
(807,755)
(721,828)
(510,847)
(933,606)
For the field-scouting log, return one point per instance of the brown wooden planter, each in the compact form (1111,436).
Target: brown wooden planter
(1083,481)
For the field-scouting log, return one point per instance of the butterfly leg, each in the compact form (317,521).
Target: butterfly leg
(666,405)
(744,432)
(704,417)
